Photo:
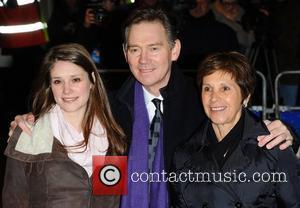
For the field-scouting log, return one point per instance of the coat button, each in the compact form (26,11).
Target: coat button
(238,205)
(205,205)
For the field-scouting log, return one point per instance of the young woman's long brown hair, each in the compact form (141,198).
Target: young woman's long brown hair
(98,104)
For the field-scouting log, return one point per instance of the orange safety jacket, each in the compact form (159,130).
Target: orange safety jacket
(21,26)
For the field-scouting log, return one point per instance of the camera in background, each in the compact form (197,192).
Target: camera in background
(98,10)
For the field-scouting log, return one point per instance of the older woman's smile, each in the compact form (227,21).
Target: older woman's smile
(222,100)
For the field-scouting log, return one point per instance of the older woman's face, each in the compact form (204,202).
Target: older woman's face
(222,99)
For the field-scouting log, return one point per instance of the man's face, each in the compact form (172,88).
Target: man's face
(202,7)
(150,55)
(108,5)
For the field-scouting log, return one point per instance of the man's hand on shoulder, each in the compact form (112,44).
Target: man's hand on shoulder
(24,122)
(279,135)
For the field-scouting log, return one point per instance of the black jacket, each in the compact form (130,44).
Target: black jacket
(246,160)
(182,115)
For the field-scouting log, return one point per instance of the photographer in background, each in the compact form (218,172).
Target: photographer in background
(64,20)
(101,33)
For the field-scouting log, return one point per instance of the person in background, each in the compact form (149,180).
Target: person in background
(101,33)
(285,35)
(52,166)
(230,13)
(201,35)
(63,20)
(226,145)
(151,48)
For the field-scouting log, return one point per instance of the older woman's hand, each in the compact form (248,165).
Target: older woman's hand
(279,135)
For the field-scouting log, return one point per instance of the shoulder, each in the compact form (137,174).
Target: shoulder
(223,26)
(124,95)
(22,146)
(126,90)
(283,157)
(182,84)
(10,148)
(283,162)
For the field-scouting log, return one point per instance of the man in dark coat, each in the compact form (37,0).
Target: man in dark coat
(182,112)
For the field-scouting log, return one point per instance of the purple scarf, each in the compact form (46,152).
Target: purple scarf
(138,192)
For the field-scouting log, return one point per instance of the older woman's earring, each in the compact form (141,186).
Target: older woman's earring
(245,104)
(93,76)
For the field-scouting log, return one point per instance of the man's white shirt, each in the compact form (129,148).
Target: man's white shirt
(150,105)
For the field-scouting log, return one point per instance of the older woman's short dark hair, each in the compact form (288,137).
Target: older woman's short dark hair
(233,63)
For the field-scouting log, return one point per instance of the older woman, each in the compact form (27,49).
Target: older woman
(222,165)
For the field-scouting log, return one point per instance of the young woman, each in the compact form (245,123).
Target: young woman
(53,167)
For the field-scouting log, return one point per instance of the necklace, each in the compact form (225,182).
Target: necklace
(224,155)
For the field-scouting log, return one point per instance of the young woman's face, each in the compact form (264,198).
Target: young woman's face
(222,99)
(71,86)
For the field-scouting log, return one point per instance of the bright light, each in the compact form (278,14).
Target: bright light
(24,2)
(22,28)
(4,2)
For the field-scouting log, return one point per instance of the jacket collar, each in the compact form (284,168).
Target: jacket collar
(126,93)
(175,83)
(58,152)
(253,128)
(242,155)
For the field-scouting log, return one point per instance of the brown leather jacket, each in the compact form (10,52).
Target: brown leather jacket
(48,180)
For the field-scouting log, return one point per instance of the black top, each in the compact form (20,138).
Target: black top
(223,149)
(238,183)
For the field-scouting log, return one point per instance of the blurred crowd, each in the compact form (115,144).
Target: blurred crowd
(204,27)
